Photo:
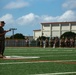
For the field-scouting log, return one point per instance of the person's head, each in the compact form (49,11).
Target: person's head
(2,23)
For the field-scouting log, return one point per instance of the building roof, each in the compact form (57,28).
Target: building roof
(58,22)
(37,30)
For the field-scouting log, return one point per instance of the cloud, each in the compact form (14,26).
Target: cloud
(8,18)
(68,16)
(16,4)
(27,19)
(32,19)
(70,4)
(46,18)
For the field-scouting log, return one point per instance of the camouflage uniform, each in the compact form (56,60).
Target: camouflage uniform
(2,41)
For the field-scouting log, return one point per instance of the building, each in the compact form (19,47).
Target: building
(55,29)
(36,34)
(29,37)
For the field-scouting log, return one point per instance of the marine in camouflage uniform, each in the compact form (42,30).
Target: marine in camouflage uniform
(2,38)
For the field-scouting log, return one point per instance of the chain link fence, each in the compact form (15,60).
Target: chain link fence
(20,43)
(24,43)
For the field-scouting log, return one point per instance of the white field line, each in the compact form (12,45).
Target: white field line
(26,57)
(60,73)
(8,63)
(44,50)
(11,63)
(57,55)
(40,53)
(21,57)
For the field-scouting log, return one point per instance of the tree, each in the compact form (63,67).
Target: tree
(68,35)
(42,37)
(18,36)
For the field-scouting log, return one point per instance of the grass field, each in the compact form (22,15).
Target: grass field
(38,61)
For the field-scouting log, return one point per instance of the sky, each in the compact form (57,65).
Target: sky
(27,15)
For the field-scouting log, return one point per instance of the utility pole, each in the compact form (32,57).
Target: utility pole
(13,32)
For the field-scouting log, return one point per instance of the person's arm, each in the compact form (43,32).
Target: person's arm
(1,34)
(7,30)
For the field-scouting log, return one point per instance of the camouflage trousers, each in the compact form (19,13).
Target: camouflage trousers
(2,47)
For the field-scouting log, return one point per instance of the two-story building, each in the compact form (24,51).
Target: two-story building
(55,29)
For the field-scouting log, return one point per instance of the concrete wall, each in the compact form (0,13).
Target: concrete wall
(54,29)
(36,34)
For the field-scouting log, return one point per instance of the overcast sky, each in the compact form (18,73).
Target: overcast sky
(27,15)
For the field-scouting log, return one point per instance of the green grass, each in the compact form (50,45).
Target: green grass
(35,67)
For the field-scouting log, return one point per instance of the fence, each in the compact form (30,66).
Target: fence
(19,43)
(24,43)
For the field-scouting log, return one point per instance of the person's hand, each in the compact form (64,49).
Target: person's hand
(7,30)
(10,29)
